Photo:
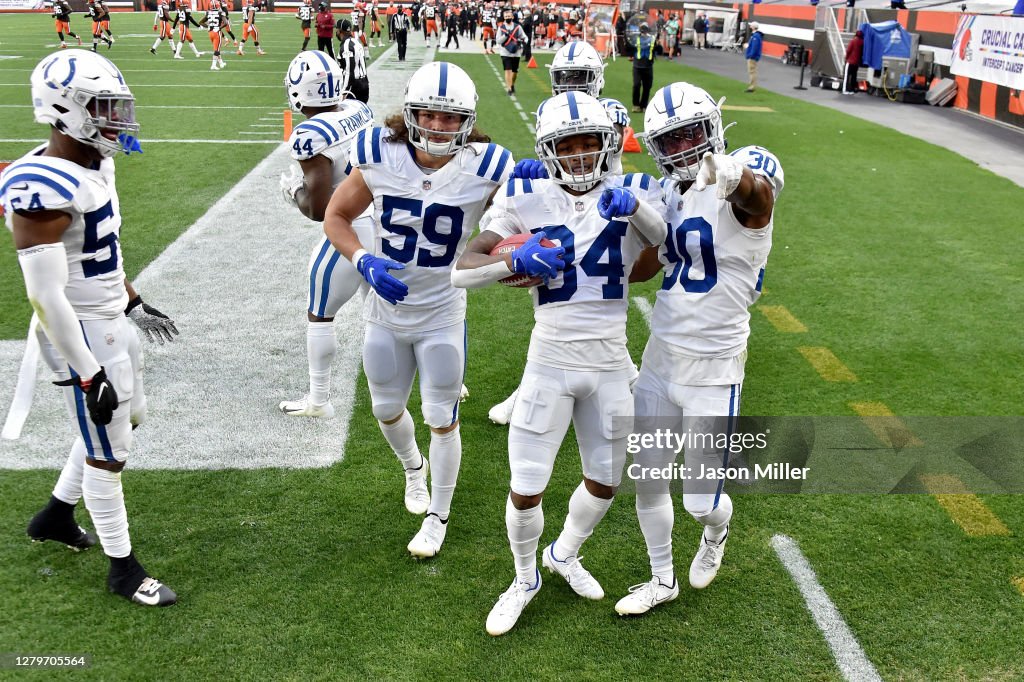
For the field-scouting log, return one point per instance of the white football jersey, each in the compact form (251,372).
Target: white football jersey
(714,268)
(95,268)
(331,134)
(581,314)
(424,221)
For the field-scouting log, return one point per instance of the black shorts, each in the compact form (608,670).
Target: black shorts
(510,64)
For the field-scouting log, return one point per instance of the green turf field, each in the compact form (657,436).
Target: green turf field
(901,259)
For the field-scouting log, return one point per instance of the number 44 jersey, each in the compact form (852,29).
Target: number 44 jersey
(714,267)
(44,183)
(424,220)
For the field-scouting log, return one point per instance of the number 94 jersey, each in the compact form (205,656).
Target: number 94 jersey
(714,267)
(581,314)
(95,269)
(424,221)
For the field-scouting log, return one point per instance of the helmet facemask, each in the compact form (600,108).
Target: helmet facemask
(419,136)
(586,169)
(678,150)
(576,79)
(108,115)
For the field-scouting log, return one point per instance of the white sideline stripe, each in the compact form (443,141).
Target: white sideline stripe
(645,308)
(501,80)
(853,663)
(40,141)
(236,283)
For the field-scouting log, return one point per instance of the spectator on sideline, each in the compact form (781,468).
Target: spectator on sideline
(854,54)
(753,55)
(511,41)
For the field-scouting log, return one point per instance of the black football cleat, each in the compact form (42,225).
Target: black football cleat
(128,578)
(46,525)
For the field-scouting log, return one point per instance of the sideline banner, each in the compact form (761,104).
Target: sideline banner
(22,5)
(990,48)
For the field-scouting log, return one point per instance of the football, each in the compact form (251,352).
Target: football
(510,244)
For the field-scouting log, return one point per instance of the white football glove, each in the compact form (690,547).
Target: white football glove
(292,181)
(721,170)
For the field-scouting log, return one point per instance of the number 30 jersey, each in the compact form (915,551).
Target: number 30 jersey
(714,267)
(581,314)
(95,268)
(424,220)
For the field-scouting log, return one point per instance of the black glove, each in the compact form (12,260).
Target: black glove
(100,396)
(153,323)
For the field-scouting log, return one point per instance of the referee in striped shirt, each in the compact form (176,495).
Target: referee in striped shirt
(399,30)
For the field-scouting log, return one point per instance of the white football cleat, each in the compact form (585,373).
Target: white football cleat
(643,598)
(178,56)
(502,412)
(579,578)
(427,542)
(304,408)
(214,67)
(506,612)
(417,497)
(705,565)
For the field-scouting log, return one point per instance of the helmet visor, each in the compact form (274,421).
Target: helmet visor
(112,115)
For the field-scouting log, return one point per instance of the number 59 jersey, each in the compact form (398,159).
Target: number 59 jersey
(581,314)
(95,269)
(424,220)
(714,268)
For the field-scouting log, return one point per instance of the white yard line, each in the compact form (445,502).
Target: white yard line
(853,663)
(236,283)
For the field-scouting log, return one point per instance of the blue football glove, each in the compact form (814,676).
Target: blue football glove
(534,260)
(530,169)
(616,203)
(375,271)
(129,143)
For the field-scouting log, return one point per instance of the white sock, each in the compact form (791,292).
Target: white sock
(321,346)
(585,512)
(69,485)
(656,517)
(524,530)
(177,50)
(716,523)
(104,499)
(173,47)
(401,436)
(156,43)
(193,46)
(445,457)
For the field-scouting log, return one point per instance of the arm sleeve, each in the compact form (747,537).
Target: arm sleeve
(45,269)
(480,277)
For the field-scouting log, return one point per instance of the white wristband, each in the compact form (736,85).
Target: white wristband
(357,256)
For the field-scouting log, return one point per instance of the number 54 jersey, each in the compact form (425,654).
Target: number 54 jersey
(95,268)
(424,221)
(581,314)
(714,267)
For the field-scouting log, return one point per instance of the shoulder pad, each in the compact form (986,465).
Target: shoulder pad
(367,148)
(495,163)
(37,185)
(641,181)
(518,187)
(762,162)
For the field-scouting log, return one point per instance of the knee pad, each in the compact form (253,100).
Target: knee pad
(387,410)
(700,508)
(439,415)
(442,365)
(379,360)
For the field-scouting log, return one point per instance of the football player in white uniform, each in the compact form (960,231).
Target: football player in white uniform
(429,175)
(578,368)
(61,204)
(576,67)
(321,146)
(719,233)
